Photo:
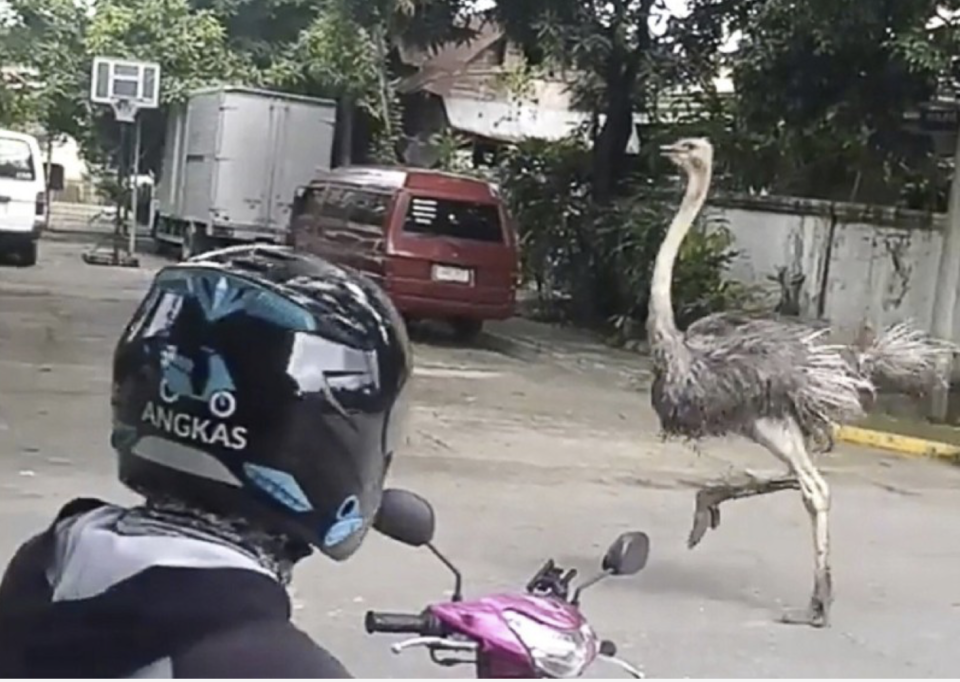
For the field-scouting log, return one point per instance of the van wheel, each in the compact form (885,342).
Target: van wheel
(467,331)
(28,254)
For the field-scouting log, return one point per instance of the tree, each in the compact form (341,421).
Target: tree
(60,38)
(191,48)
(346,52)
(620,59)
(821,92)
(47,36)
(262,30)
(190,45)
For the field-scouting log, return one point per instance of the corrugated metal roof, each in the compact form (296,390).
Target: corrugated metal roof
(516,121)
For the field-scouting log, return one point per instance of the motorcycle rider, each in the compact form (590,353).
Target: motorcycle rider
(258,397)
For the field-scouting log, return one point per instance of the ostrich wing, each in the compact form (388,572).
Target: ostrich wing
(740,368)
(718,324)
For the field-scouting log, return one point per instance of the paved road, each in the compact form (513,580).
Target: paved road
(525,460)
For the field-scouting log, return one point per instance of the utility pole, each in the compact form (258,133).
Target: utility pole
(945,293)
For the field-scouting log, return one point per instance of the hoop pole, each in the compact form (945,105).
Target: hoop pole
(122,178)
(135,173)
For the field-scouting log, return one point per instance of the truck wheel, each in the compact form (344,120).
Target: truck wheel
(194,244)
(466,331)
(186,245)
(28,254)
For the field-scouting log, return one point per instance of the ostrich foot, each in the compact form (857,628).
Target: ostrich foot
(705,516)
(816,615)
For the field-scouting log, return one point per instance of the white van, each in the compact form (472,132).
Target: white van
(22,195)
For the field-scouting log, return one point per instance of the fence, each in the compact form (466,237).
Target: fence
(862,264)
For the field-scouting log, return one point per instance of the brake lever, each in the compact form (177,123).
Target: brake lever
(433,643)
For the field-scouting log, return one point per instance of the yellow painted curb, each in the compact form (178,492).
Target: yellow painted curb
(904,445)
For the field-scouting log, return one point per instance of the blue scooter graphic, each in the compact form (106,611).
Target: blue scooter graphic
(177,382)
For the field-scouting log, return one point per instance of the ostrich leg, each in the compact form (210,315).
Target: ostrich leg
(785,440)
(707,513)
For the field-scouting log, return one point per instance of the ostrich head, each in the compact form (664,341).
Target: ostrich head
(693,154)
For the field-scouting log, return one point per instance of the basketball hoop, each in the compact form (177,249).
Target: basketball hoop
(124,110)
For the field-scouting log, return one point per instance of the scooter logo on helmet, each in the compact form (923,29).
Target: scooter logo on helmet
(217,393)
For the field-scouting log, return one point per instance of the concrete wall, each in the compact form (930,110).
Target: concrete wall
(79,217)
(863,264)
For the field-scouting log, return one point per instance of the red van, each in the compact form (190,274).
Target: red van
(442,246)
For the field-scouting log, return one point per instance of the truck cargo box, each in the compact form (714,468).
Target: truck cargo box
(233,159)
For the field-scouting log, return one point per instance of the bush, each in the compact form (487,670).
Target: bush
(592,264)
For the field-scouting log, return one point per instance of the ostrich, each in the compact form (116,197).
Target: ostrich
(776,382)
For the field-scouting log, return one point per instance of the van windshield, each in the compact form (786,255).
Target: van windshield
(457,219)
(16,161)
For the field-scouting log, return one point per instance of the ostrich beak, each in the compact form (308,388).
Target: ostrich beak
(669,150)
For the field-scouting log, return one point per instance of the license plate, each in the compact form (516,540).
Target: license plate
(446,273)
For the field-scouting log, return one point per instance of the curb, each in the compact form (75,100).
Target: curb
(895,442)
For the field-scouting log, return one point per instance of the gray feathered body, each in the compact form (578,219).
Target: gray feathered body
(726,371)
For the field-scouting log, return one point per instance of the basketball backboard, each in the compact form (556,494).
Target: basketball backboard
(126,84)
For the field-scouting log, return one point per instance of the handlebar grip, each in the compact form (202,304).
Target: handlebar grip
(399,623)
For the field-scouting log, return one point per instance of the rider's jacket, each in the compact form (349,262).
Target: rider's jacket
(82,600)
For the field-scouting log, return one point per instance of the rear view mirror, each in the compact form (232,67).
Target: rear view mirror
(405,517)
(628,554)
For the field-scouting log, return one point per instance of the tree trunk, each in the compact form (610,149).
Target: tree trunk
(346,117)
(381,44)
(610,150)
(623,73)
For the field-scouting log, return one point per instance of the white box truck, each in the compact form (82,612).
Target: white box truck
(233,159)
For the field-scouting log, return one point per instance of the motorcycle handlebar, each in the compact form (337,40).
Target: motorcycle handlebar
(422,624)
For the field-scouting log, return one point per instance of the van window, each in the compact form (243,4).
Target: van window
(356,206)
(335,203)
(369,208)
(457,219)
(305,209)
(16,161)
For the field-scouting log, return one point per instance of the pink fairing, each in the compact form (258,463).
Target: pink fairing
(501,652)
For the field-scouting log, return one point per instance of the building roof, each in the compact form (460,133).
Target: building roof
(437,69)
(515,121)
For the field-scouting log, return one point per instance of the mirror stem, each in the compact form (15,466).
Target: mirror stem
(457,578)
(589,583)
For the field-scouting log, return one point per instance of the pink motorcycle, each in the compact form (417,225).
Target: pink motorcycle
(537,634)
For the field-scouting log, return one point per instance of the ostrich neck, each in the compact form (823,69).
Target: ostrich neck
(660,321)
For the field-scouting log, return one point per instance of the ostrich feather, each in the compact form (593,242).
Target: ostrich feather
(729,370)
(906,357)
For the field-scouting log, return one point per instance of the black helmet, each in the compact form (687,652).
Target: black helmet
(267,384)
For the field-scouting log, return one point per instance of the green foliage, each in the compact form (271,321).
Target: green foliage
(619,61)
(592,262)
(345,51)
(821,92)
(260,30)
(190,46)
(48,35)
(332,57)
